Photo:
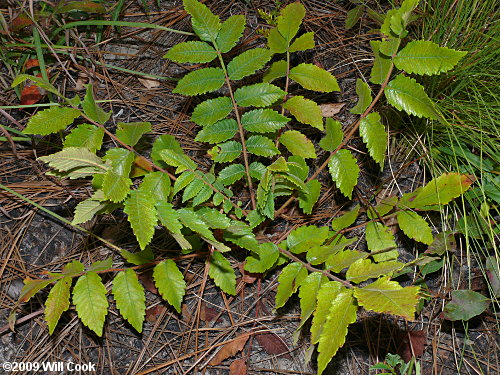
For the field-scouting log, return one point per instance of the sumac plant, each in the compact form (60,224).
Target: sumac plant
(258,149)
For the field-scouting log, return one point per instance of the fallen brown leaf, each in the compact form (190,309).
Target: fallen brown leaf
(273,344)
(409,340)
(148,282)
(153,313)
(149,83)
(330,109)
(230,349)
(207,314)
(238,367)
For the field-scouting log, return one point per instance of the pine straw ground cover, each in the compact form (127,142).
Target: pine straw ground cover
(33,242)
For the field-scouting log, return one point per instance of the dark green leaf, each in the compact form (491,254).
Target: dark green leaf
(263,121)
(222,273)
(277,70)
(191,52)
(91,109)
(230,32)
(374,135)
(212,110)
(261,146)
(200,81)
(258,95)
(344,171)
(219,132)
(140,208)
(333,137)
(130,133)
(248,63)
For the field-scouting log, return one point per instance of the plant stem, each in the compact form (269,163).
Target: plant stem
(240,130)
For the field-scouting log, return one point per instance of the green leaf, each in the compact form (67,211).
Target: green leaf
(388,297)
(344,171)
(85,210)
(230,32)
(191,52)
(51,120)
(73,268)
(374,135)
(425,57)
(303,43)
(406,94)
(228,152)
(57,302)
(276,42)
(319,254)
(241,234)
(219,132)
(222,273)
(414,226)
(157,184)
(205,24)
(257,170)
(183,180)
(309,196)
(168,217)
(346,220)
(139,258)
(231,174)
(248,63)
(91,109)
(77,160)
(305,111)
(263,121)
(200,81)
(85,135)
(140,208)
(261,146)
(364,97)
(333,137)
(289,20)
(341,314)
(289,281)
(381,65)
(121,161)
(304,238)
(384,207)
(308,292)
(312,77)
(326,294)
(213,218)
(89,298)
(353,16)
(165,141)
(130,298)
(263,260)
(32,287)
(40,82)
(192,189)
(258,95)
(101,265)
(170,283)
(191,220)
(115,186)
(364,269)
(439,191)
(212,110)
(277,70)
(298,144)
(465,304)
(176,159)
(343,259)
(379,237)
(130,133)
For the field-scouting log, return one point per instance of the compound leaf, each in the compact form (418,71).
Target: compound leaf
(130,133)
(138,258)
(364,97)
(213,218)
(333,137)
(164,141)
(414,226)
(212,110)
(263,121)
(168,217)
(230,32)
(364,269)
(277,70)
(261,146)
(191,52)
(314,78)
(338,261)
(140,208)
(219,132)
(232,173)
(305,110)
(303,43)
(51,120)
(258,95)
(200,81)
(374,135)
(406,94)
(426,57)
(205,24)
(298,144)
(344,171)
(130,298)
(341,314)
(57,302)
(170,282)
(289,20)
(389,297)
(191,220)
(89,298)
(289,281)
(85,135)
(248,63)
(85,210)
(276,42)
(222,273)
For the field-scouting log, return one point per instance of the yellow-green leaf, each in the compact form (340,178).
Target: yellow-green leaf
(388,297)
(344,171)
(130,133)
(277,70)
(334,135)
(290,19)
(91,109)
(191,52)
(205,24)
(130,298)
(89,298)
(414,226)
(326,294)
(140,208)
(212,110)
(337,262)
(258,95)
(309,196)
(379,237)
(51,120)
(170,283)
(263,121)
(305,110)
(314,78)
(230,32)
(222,273)
(298,144)
(289,281)
(57,302)
(85,135)
(364,97)
(381,65)
(307,293)
(77,160)
(303,42)
(364,269)
(248,63)
(346,219)
(264,259)
(200,81)
(304,238)
(374,135)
